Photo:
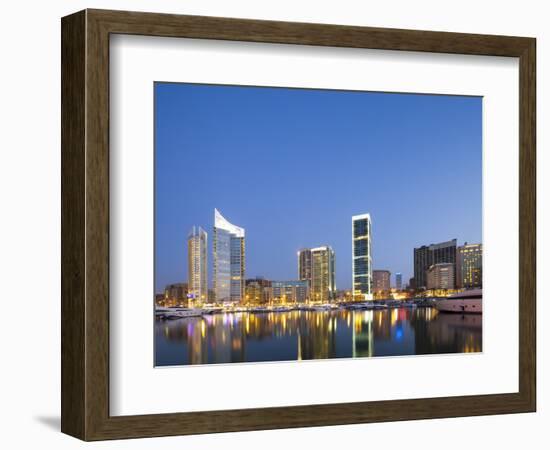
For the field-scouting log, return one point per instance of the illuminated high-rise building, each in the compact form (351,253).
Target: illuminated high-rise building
(469,266)
(428,255)
(361,257)
(229,261)
(398,281)
(323,284)
(197,265)
(381,281)
(304,265)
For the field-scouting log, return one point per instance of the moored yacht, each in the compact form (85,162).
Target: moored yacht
(469,301)
(171,313)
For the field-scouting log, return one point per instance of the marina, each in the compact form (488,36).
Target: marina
(464,302)
(280,262)
(303,332)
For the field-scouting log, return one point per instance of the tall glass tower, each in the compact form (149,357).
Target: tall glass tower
(229,261)
(398,281)
(361,257)
(197,245)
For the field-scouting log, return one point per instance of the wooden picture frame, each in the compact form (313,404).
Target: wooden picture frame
(85,224)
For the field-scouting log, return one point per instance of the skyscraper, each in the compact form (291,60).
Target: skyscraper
(322,285)
(428,255)
(304,265)
(398,281)
(381,280)
(361,257)
(229,260)
(197,264)
(469,268)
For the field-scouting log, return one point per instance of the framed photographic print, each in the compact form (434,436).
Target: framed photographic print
(272,224)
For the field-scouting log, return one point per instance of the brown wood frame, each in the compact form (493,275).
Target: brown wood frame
(85,224)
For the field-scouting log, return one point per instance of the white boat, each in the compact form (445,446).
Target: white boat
(325,307)
(176,313)
(380,306)
(464,302)
(281,308)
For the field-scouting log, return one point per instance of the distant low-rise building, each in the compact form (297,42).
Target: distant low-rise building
(344,295)
(176,294)
(441,276)
(295,291)
(159,300)
(257,291)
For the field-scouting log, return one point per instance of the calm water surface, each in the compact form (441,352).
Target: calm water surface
(299,335)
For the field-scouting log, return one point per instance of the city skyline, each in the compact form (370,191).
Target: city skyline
(316,267)
(277,228)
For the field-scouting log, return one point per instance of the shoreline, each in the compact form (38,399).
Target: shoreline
(176,312)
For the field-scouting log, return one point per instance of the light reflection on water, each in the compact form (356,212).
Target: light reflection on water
(299,335)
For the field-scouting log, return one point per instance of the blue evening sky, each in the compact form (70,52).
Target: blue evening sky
(292,166)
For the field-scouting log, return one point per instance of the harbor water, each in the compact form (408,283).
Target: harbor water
(305,335)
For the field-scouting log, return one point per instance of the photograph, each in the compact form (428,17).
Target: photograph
(300,224)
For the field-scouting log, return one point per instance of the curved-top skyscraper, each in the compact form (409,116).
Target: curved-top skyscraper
(229,261)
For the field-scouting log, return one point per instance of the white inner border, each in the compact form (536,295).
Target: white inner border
(136,387)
